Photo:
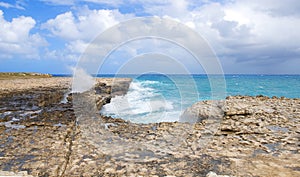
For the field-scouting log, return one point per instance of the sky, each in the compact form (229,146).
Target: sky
(248,36)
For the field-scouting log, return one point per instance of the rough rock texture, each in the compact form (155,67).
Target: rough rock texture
(202,111)
(259,135)
(23,75)
(213,174)
(37,123)
(17,174)
(45,132)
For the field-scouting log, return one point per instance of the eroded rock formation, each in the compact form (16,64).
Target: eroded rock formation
(45,132)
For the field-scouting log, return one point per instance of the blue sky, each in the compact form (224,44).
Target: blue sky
(248,36)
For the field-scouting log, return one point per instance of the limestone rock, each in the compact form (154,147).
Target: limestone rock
(239,136)
(15,174)
(213,174)
(202,110)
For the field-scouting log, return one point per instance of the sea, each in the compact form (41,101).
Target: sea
(163,98)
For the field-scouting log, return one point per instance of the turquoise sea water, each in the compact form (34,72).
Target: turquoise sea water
(157,98)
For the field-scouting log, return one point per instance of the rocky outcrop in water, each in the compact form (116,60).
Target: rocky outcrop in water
(45,132)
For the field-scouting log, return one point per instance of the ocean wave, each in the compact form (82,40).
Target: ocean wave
(141,104)
(149,82)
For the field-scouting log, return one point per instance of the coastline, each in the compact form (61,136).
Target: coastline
(22,75)
(256,136)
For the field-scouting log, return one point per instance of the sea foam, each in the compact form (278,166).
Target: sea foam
(142,104)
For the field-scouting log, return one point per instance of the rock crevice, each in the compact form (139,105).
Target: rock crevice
(239,136)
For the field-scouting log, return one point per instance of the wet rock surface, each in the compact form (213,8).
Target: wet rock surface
(46,132)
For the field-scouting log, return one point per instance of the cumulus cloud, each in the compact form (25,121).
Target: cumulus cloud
(248,32)
(79,29)
(63,26)
(272,35)
(254,32)
(16,39)
(85,25)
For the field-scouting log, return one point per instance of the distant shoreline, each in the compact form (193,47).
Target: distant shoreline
(136,75)
(22,75)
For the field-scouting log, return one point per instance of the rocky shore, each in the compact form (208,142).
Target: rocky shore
(22,75)
(46,131)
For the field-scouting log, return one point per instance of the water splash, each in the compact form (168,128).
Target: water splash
(82,81)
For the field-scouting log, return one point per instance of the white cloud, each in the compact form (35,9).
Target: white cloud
(270,31)
(63,26)
(77,46)
(15,38)
(154,51)
(17,5)
(79,29)
(63,55)
(6,5)
(73,2)
(59,2)
(164,7)
(249,31)
(85,25)
(110,2)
